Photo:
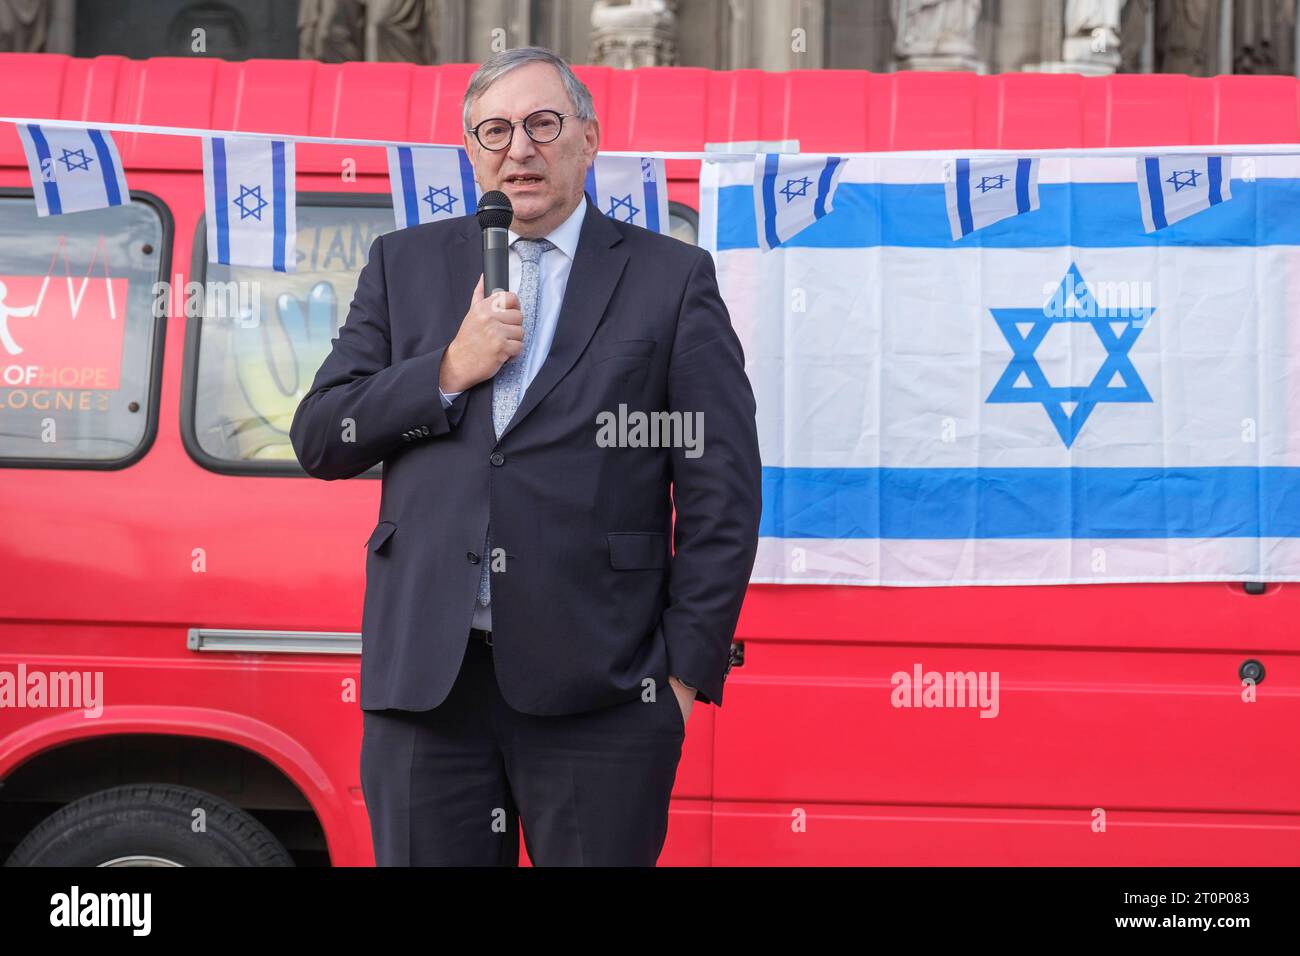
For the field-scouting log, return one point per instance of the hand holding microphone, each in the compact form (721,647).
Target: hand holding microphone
(492,331)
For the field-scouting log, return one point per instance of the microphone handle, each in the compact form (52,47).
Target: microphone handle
(496,260)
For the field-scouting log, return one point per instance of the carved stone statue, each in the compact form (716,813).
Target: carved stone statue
(400,31)
(332,31)
(1187,37)
(935,34)
(335,31)
(1263,37)
(22,25)
(638,33)
(1092,35)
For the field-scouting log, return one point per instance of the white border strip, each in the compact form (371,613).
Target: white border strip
(896,562)
(1231,149)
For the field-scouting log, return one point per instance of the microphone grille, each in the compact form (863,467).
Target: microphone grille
(495,211)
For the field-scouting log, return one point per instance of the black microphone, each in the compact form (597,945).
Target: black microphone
(494,217)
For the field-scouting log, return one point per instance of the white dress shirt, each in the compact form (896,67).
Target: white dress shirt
(555,266)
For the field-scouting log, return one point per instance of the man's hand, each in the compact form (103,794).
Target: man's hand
(491,334)
(685,697)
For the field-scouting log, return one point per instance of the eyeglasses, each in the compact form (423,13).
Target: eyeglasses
(543,126)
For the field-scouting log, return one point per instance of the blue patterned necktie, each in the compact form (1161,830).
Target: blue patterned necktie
(508,384)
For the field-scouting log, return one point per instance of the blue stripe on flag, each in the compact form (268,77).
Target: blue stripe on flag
(770,167)
(1022,185)
(1214,165)
(107,168)
(1156,193)
(52,202)
(591,187)
(955,503)
(220,197)
(824,185)
(651,205)
(467,183)
(1088,215)
(277,190)
(410,204)
(963,197)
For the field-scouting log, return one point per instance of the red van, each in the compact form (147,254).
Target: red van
(180,604)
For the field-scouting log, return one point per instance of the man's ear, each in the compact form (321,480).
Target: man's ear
(592,137)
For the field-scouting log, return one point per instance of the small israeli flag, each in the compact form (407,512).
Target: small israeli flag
(981,192)
(791,192)
(73,169)
(429,184)
(249,193)
(1172,188)
(631,189)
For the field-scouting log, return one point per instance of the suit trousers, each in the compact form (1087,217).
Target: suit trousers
(451,786)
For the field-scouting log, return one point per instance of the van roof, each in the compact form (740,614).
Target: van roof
(650,108)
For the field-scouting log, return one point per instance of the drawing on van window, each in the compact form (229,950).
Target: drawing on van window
(264,334)
(76,331)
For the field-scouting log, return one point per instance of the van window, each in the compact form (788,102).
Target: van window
(262,335)
(683,223)
(79,341)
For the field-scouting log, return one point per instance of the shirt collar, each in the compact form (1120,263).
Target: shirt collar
(565,235)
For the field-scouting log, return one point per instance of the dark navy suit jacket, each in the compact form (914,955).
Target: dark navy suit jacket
(601,588)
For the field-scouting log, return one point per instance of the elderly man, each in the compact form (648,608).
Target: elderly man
(529,598)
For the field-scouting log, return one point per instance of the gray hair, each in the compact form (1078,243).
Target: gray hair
(499,64)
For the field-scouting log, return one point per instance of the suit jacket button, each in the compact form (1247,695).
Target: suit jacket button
(471,557)
(497,459)
(406,436)
(424,429)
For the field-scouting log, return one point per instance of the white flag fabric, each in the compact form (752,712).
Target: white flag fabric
(791,192)
(250,198)
(981,192)
(73,170)
(1171,188)
(1071,400)
(631,189)
(429,184)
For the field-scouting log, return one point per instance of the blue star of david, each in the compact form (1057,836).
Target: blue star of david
(250,210)
(432,196)
(992,182)
(625,202)
(1024,363)
(75,159)
(1183,177)
(794,188)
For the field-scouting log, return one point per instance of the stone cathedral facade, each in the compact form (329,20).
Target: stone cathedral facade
(1095,37)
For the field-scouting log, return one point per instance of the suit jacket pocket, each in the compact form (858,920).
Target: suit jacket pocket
(636,550)
(625,348)
(383,531)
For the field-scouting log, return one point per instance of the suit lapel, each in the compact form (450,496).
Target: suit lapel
(597,266)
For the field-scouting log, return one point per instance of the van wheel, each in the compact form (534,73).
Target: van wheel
(149,825)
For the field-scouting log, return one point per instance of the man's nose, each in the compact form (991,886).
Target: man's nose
(522,147)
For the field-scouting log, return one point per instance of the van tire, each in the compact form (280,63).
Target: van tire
(149,821)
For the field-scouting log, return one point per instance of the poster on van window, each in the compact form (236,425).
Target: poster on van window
(59,332)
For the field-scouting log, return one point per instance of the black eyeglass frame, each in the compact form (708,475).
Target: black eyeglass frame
(523,122)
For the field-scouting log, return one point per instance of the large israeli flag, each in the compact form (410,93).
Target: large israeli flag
(431,183)
(250,200)
(631,189)
(1057,398)
(72,170)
